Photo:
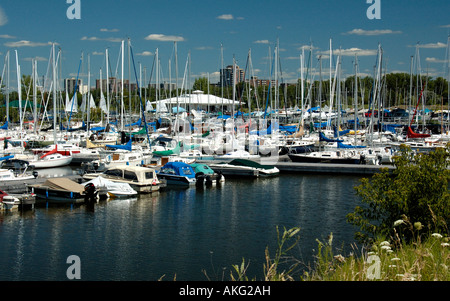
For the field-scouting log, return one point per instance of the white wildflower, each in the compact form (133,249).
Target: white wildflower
(398,222)
(385,243)
(385,248)
(436,235)
(445,244)
(395,259)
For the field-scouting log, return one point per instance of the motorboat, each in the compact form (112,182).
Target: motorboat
(64,191)
(11,175)
(142,179)
(331,156)
(10,202)
(113,189)
(238,154)
(177,173)
(245,168)
(206,175)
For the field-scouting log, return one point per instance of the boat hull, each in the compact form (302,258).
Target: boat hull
(177,180)
(319,159)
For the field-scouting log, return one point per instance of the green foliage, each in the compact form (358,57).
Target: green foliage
(417,189)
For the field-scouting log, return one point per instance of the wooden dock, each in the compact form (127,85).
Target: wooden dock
(329,168)
(22,186)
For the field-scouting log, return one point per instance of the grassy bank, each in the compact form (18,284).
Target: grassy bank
(394,260)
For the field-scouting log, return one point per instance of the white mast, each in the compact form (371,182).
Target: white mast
(54,93)
(122,104)
(107,86)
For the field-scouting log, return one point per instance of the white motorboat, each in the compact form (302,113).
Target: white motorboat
(142,179)
(244,167)
(114,189)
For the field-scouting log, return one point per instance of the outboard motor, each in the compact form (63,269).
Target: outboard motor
(90,193)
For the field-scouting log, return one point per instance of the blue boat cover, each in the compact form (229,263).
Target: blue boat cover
(5,126)
(6,158)
(120,146)
(180,168)
(342,145)
(322,137)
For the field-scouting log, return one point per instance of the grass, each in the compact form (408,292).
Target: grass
(394,260)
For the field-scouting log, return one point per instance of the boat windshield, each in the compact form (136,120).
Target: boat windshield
(149,175)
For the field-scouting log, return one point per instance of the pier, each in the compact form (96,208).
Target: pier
(329,168)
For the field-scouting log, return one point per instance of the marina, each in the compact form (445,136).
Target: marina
(149,162)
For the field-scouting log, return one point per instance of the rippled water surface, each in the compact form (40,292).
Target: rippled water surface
(190,234)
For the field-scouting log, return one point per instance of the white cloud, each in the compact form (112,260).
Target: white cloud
(25,43)
(114,40)
(432,45)
(164,38)
(145,53)
(97,53)
(204,48)
(434,60)
(377,32)
(261,42)
(445,26)
(225,17)
(108,30)
(350,52)
(3,17)
(6,36)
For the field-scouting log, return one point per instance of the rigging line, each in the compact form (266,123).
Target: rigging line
(240,95)
(268,90)
(74,98)
(140,98)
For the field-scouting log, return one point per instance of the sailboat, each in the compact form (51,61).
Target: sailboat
(50,159)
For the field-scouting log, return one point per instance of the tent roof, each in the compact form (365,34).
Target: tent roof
(197,99)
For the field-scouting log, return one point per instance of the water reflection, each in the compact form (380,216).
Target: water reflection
(176,232)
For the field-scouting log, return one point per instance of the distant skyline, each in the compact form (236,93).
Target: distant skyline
(200,28)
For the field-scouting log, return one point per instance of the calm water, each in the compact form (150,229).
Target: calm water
(177,232)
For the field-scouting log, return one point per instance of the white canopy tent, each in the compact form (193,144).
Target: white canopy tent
(195,101)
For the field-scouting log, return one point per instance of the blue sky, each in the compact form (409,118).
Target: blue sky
(202,26)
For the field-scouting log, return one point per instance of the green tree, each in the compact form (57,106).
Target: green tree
(417,190)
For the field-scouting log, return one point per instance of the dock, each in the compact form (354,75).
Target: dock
(18,186)
(330,168)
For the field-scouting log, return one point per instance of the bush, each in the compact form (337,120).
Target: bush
(416,189)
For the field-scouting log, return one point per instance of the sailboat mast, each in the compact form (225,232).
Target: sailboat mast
(35,95)
(7,92)
(19,91)
(356,96)
(107,86)
(54,93)
(122,86)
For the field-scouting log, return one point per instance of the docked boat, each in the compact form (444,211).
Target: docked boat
(177,173)
(11,175)
(238,154)
(64,191)
(336,156)
(10,202)
(49,159)
(206,175)
(244,168)
(142,179)
(113,189)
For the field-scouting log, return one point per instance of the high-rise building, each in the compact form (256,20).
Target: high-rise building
(227,74)
(70,83)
